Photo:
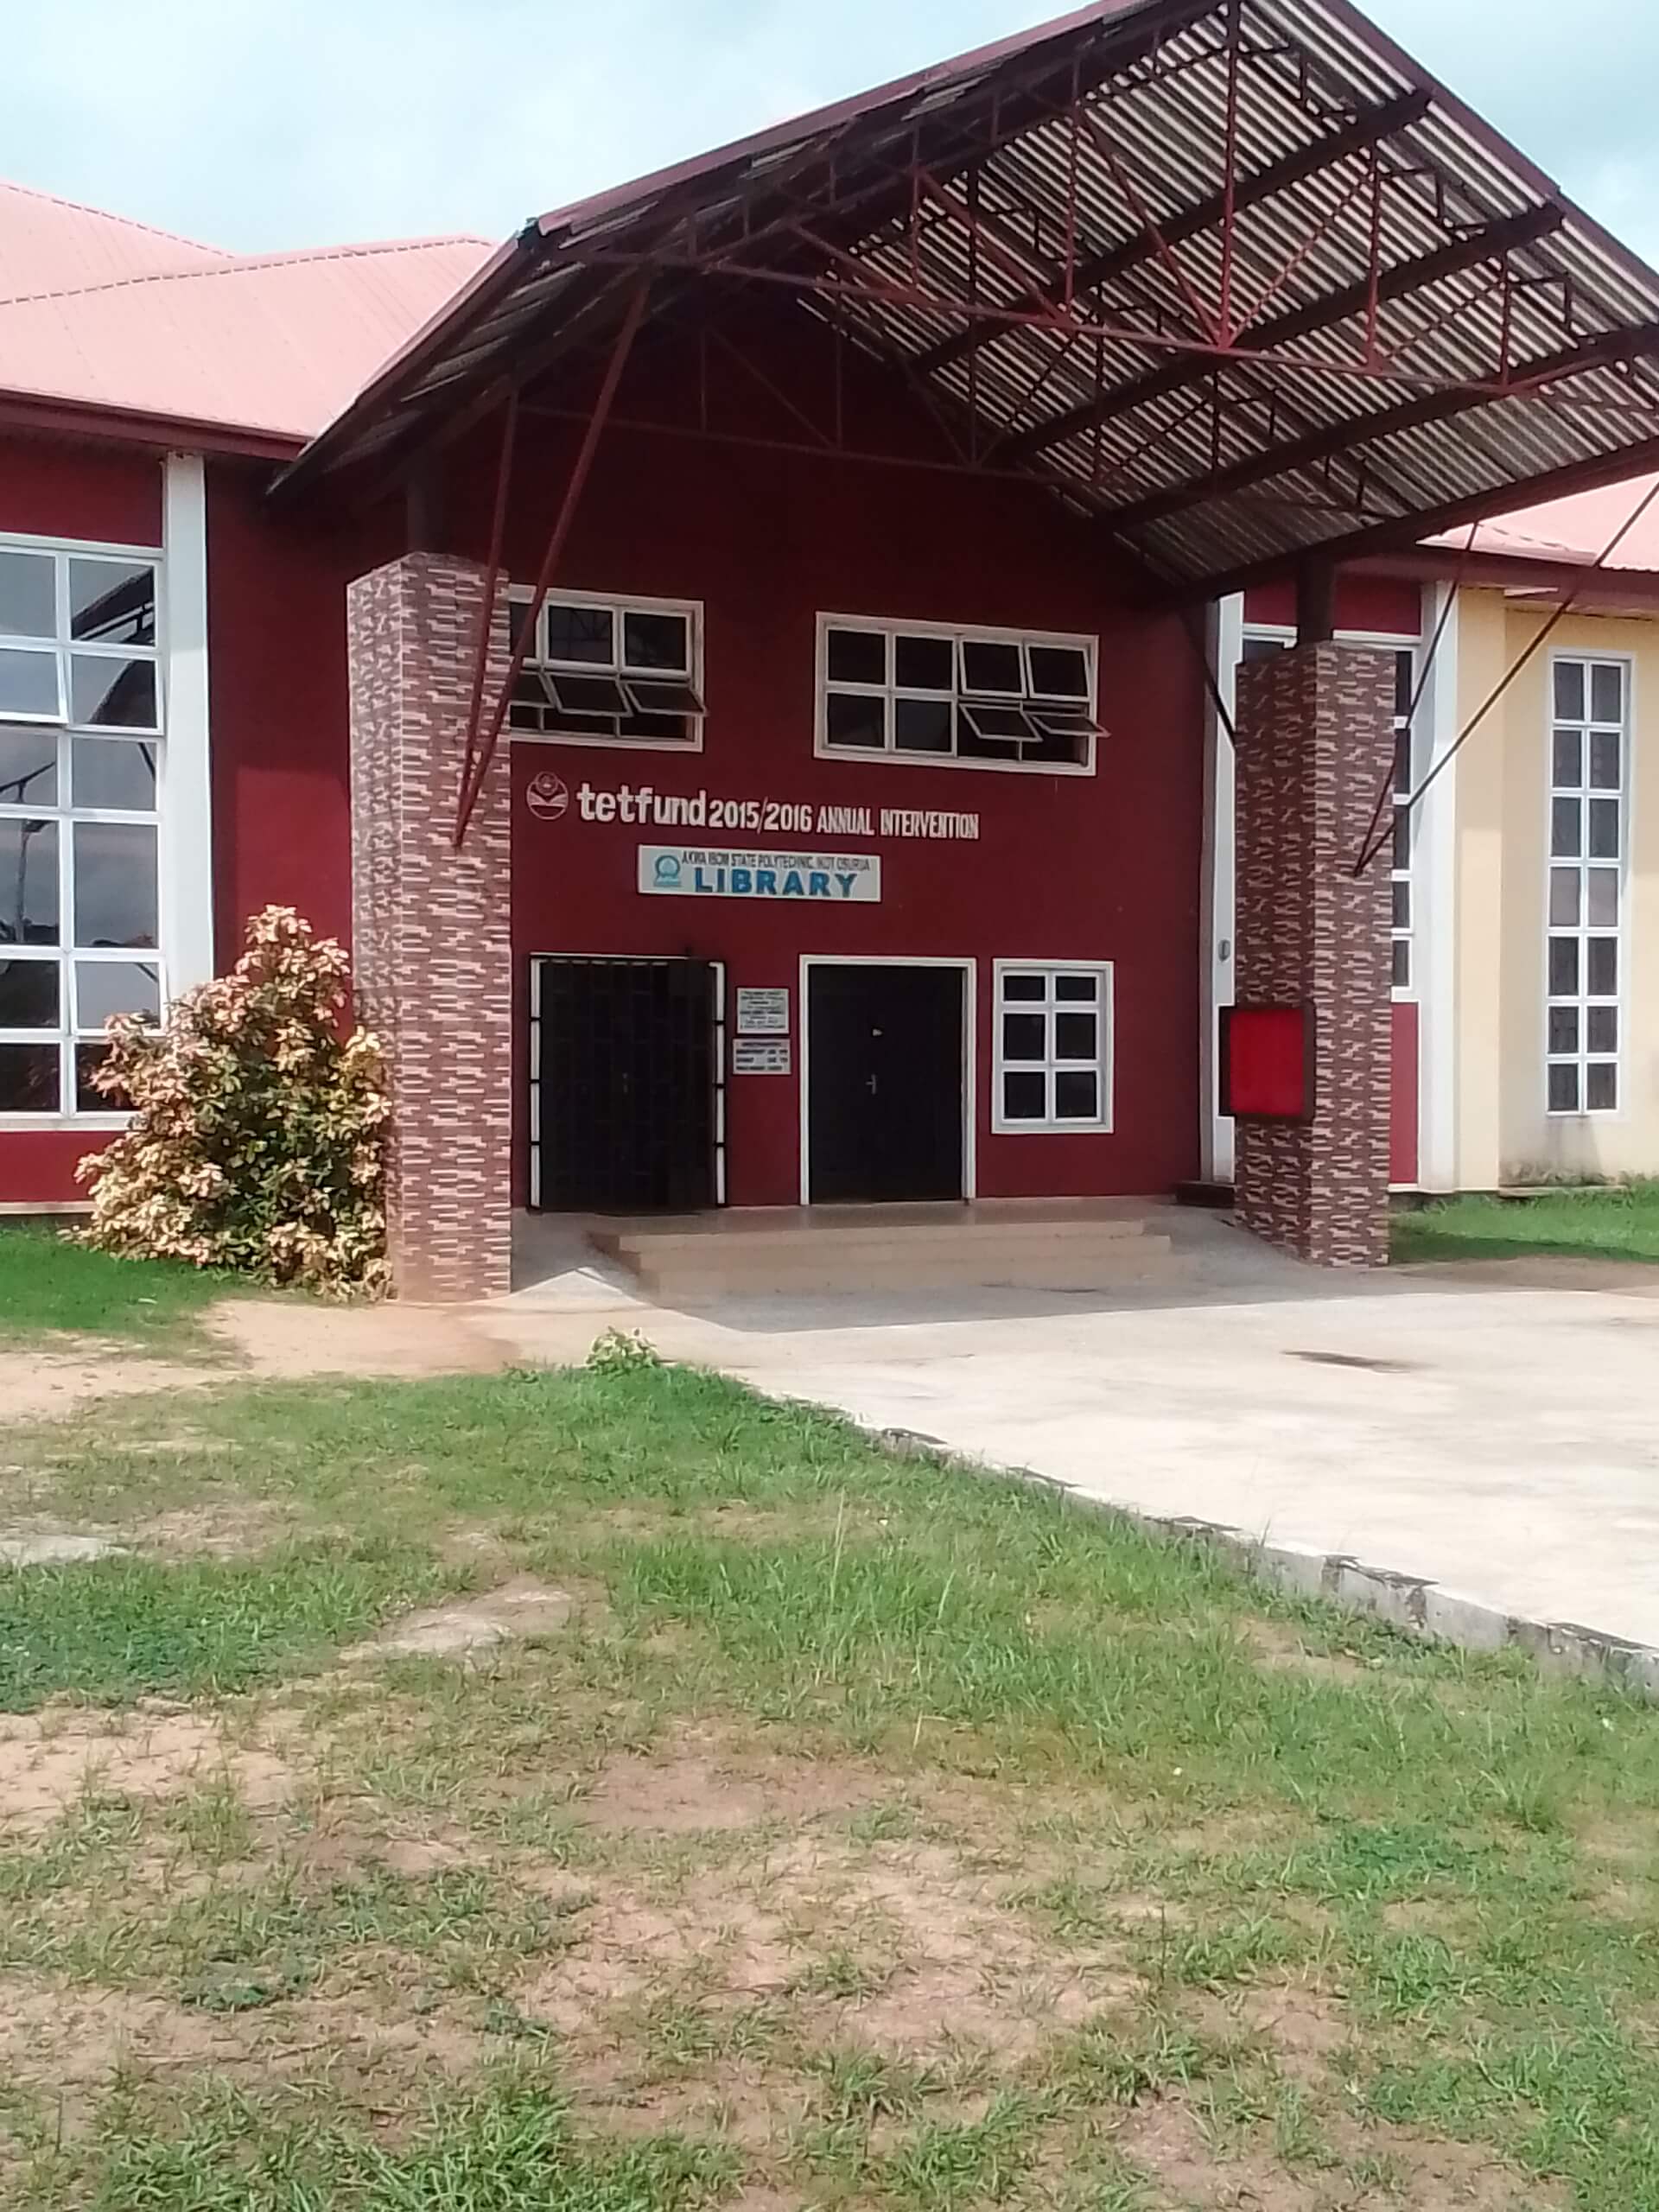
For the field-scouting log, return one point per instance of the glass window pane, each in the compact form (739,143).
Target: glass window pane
(1604,828)
(1077,1037)
(1057,671)
(1400,974)
(1563,1029)
(1403,837)
(923,664)
(1024,987)
(577,694)
(1604,899)
(1076,1095)
(1566,828)
(29,682)
(1604,750)
(1078,988)
(1601,979)
(112,601)
(854,718)
(28,1078)
(1601,1086)
(29,767)
(111,694)
(1563,967)
(1564,893)
(107,987)
(1025,1096)
(657,641)
(653,697)
(1025,1036)
(1402,905)
(1564,1087)
(1601,1029)
(1606,693)
(1569,690)
(115,883)
(1403,761)
(858,657)
(28,882)
(89,1099)
(922,725)
(990,667)
(112,772)
(1405,682)
(1567,765)
(583,634)
(29,994)
(972,743)
(28,594)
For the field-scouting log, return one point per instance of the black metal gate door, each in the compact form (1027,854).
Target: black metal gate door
(625,1070)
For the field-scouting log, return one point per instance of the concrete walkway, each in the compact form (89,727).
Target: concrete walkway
(1469,1426)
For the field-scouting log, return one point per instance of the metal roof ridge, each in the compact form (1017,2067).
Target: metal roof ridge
(108,215)
(234,264)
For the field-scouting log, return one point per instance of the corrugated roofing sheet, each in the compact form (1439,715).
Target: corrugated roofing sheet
(48,244)
(1574,532)
(274,344)
(1332,423)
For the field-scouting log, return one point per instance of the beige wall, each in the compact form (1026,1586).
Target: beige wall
(1504,1134)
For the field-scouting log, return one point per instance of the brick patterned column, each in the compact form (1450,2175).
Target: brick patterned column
(1315,742)
(431,926)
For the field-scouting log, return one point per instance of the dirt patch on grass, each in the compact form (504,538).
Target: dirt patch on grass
(703,1786)
(48,1761)
(41,1385)
(284,1339)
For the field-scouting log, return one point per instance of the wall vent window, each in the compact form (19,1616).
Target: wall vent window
(610,672)
(80,714)
(1054,1047)
(1589,772)
(985,699)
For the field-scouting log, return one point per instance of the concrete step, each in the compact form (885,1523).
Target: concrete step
(1024,1252)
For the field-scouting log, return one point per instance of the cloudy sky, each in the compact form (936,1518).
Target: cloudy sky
(317,121)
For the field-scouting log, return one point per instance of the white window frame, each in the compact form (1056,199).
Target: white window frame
(958,634)
(1583,1000)
(1104,1065)
(69,1034)
(617,604)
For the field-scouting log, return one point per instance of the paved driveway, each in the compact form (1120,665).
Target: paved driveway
(1501,1440)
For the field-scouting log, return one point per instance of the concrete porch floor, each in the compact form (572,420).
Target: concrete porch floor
(1495,1429)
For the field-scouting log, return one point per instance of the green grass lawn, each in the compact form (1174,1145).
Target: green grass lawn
(1617,1223)
(49,1286)
(872,1835)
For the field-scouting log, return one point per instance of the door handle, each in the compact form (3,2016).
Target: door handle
(870,1084)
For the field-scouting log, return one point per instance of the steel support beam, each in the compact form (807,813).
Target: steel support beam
(480,753)
(1397,283)
(1370,127)
(1353,436)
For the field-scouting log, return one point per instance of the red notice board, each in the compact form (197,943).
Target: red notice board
(1267,1063)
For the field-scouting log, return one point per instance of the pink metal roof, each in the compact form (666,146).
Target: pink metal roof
(51,245)
(272,343)
(1575,531)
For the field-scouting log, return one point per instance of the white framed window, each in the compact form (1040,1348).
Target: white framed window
(610,671)
(1586,889)
(81,718)
(1259,644)
(1053,1060)
(942,698)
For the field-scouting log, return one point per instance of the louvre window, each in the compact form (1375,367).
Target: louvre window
(610,672)
(979,698)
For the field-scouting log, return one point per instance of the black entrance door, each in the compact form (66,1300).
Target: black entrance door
(624,1068)
(884,1095)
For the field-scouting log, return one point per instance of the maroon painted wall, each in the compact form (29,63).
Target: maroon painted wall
(1064,868)
(1383,606)
(277,658)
